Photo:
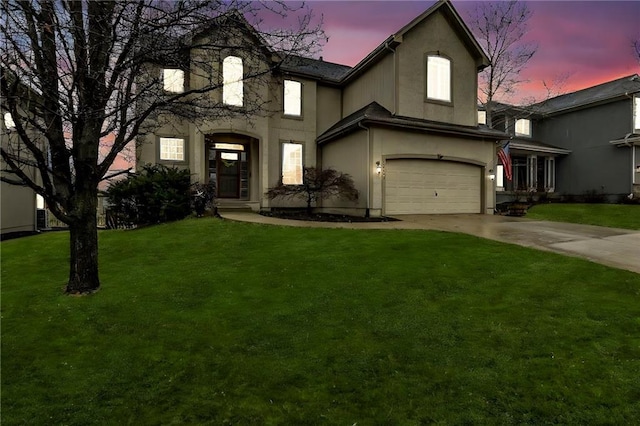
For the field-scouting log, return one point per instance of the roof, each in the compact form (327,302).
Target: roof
(592,95)
(395,39)
(376,114)
(316,68)
(537,146)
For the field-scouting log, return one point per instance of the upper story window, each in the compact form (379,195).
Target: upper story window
(173,80)
(232,74)
(523,127)
(438,78)
(292,168)
(293,98)
(636,113)
(172,149)
(8,121)
(482,117)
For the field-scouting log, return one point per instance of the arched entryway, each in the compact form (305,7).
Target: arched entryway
(228,164)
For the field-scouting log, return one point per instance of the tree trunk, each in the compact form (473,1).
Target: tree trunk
(83,238)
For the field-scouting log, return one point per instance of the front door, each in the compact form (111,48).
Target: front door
(228,167)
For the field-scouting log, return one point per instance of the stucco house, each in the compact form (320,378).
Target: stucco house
(584,143)
(21,209)
(402,122)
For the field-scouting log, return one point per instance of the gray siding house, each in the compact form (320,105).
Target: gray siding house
(585,143)
(600,125)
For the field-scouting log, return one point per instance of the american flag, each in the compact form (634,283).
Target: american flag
(505,159)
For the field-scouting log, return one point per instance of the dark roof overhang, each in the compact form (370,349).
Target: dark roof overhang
(376,115)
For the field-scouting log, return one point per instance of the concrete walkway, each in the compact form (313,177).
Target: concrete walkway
(619,248)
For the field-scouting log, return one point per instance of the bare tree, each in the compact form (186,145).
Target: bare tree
(74,72)
(317,184)
(499,27)
(636,48)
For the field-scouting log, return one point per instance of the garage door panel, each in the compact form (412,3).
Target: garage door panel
(431,187)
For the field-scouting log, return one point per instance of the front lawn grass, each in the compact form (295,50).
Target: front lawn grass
(215,322)
(626,216)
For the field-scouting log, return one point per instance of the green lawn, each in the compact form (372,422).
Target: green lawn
(215,322)
(626,216)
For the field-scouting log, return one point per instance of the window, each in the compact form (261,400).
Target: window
(438,78)
(523,127)
(636,113)
(292,164)
(8,121)
(232,73)
(173,80)
(482,117)
(172,149)
(500,177)
(39,202)
(292,98)
(549,174)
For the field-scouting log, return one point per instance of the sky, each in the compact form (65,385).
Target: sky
(583,43)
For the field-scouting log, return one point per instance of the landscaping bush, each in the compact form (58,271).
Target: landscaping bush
(156,194)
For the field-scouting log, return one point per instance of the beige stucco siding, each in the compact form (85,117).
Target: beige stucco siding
(349,155)
(434,35)
(18,209)
(394,144)
(329,107)
(376,84)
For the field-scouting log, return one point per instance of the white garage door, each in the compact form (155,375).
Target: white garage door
(431,187)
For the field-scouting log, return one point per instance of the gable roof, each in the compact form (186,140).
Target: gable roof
(376,114)
(387,46)
(601,93)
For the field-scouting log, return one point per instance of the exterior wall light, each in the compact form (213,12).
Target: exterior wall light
(492,175)
(378,167)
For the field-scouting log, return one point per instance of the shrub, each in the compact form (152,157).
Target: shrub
(156,194)
(316,184)
(203,197)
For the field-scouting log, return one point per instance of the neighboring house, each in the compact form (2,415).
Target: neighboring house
(402,123)
(534,158)
(21,208)
(581,144)
(600,125)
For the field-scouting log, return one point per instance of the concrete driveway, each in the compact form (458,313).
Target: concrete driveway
(619,248)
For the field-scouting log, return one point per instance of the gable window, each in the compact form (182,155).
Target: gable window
(523,127)
(293,98)
(636,113)
(292,164)
(172,149)
(482,117)
(438,78)
(8,121)
(232,74)
(173,80)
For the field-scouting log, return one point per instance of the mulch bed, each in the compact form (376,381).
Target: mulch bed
(323,217)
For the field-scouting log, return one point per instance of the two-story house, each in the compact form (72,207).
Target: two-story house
(600,125)
(533,159)
(581,144)
(21,209)
(402,123)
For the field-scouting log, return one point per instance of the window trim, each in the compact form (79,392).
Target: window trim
(8,121)
(293,116)
(185,149)
(184,80)
(225,85)
(437,54)
(484,113)
(515,127)
(302,153)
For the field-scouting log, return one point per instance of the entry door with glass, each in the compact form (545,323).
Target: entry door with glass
(228,167)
